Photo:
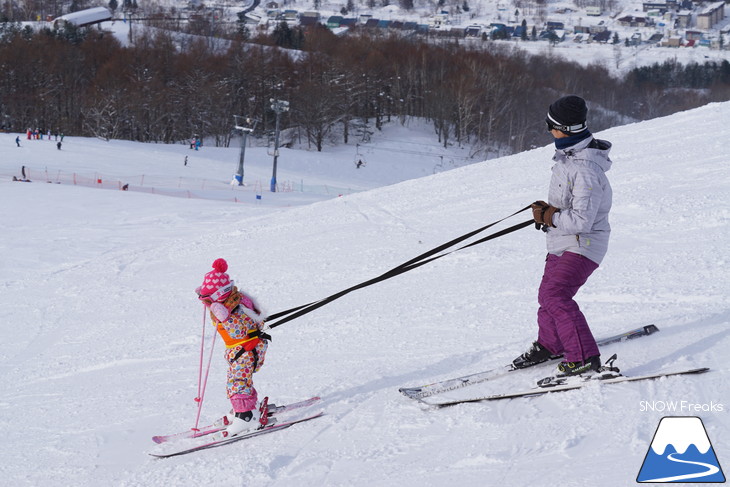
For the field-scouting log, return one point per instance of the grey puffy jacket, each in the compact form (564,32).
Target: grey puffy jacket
(580,188)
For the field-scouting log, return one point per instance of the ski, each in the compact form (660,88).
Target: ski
(220,424)
(244,436)
(274,409)
(467,380)
(539,391)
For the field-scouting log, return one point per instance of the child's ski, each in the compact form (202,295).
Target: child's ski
(243,436)
(220,424)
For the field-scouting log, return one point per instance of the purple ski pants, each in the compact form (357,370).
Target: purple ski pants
(562,327)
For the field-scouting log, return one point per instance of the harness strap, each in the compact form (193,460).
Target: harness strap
(422,259)
(231,342)
(255,359)
(257,335)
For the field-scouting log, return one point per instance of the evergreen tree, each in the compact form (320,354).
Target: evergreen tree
(523,34)
(723,76)
(71,33)
(244,33)
(282,35)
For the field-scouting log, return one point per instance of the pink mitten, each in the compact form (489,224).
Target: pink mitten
(220,311)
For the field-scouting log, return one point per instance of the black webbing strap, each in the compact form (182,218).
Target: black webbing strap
(422,259)
(252,334)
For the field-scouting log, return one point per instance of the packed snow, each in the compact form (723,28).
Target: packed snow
(101,329)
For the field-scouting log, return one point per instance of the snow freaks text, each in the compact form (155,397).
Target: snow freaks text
(680,407)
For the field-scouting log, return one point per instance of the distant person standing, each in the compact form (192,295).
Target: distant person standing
(58,145)
(17,140)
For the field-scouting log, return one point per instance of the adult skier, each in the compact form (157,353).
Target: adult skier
(239,321)
(575,220)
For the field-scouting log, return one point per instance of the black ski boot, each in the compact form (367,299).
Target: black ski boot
(536,354)
(590,365)
(588,369)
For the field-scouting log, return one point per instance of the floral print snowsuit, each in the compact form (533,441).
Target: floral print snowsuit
(245,346)
(241,369)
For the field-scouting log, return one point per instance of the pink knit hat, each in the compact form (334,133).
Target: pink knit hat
(216,280)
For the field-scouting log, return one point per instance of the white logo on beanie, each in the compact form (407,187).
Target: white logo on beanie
(569,113)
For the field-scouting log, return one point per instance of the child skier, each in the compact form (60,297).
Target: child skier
(239,321)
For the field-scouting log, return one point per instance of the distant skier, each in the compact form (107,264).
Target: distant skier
(575,220)
(17,140)
(58,145)
(239,321)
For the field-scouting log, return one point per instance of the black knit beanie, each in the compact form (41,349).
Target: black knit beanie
(568,114)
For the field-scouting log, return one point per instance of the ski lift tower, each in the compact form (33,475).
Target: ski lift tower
(246,125)
(279,107)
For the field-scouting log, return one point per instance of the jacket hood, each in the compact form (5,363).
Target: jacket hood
(590,150)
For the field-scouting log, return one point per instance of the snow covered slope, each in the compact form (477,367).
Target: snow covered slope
(100,327)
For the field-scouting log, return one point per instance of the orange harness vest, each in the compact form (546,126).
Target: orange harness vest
(252,337)
(249,342)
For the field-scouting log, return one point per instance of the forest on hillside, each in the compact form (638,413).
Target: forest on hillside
(168,87)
